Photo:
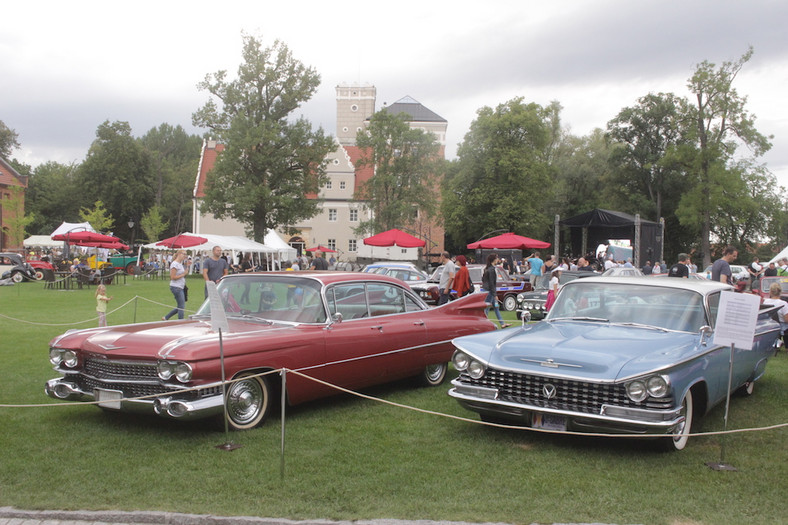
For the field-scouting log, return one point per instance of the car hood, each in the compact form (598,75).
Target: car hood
(189,339)
(584,350)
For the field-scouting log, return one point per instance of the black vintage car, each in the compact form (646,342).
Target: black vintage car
(14,267)
(534,300)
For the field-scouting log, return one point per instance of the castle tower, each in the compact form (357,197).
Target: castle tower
(355,104)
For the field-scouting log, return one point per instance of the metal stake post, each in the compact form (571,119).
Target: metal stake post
(283,373)
(721,465)
(227,445)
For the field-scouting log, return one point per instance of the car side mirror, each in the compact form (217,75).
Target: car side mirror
(336,318)
(705,331)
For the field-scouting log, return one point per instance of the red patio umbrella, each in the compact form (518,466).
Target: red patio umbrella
(116,245)
(321,248)
(508,241)
(182,240)
(80,237)
(395,237)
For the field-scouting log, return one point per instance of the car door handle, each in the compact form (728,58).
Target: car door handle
(379,327)
(418,323)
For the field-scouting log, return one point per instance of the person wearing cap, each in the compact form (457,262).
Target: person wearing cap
(553,288)
(680,269)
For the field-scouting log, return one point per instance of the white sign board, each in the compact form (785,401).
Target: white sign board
(736,319)
(218,315)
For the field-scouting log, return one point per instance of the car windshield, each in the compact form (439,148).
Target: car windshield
(271,297)
(766,283)
(660,307)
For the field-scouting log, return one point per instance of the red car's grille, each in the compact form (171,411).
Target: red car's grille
(576,396)
(106,369)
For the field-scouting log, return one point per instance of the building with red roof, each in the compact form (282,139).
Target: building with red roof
(9,178)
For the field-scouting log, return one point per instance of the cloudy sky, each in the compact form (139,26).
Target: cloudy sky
(69,66)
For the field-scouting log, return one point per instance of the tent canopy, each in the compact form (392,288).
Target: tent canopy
(395,237)
(43,241)
(225,242)
(72,227)
(508,241)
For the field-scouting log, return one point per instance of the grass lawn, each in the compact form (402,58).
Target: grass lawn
(349,458)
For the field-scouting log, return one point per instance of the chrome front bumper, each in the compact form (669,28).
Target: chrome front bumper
(612,419)
(166,405)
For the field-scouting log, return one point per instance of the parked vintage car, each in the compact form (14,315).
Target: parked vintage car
(348,329)
(764,283)
(534,301)
(507,287)
(622,271)
(630,355)
(128,263)
(14,267)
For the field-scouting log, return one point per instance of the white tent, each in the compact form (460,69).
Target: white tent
(42,241)
(286,252)
(782,255)
(233,244)
(72,227)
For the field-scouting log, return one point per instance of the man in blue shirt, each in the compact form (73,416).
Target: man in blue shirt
(536,268)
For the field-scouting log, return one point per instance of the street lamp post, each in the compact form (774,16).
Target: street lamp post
(131,227)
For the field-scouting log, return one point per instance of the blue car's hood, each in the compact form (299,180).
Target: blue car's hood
(592,351)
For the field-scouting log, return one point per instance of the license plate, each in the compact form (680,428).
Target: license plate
(549,422)
(108,398)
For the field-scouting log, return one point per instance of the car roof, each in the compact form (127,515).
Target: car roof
(325,276)
(697,285)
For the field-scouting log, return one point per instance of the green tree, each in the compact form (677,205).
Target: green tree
(583,169)
(406,165)
(174,160)
(270,165)
(53,196)
(647,133)
(117,172)
(8,140)
(98,217)
(722,124)
(502,177)
(153,224)
(15,220)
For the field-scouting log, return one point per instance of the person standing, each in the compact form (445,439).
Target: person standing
(775,299)
(101,304)
(319,262)
(646,268)
(721,269)
(536,268)
(554,286)
(447,278)
(680,269)
(755,270)
(462,279)
(490,283)
(178,274)
(214,267)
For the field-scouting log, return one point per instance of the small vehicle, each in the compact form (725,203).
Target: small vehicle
(127,263)
(507,287)
(738,273)
(351,330)
(535,300)
(14,267)
(377,267)
(621,271)
(764,283)
(626,355)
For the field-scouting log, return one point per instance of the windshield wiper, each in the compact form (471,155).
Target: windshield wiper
(596,319)
(641,325)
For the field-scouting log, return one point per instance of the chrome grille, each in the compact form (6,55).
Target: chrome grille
(108,369)
(577,396)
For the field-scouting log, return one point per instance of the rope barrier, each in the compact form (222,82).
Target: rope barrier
(411,408)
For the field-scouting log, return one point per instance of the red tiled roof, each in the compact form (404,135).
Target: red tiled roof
(210,152)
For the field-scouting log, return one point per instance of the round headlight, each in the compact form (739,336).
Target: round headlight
(165,369)
(183,372)
(70,358)
(460,360)
(636,390)
(475,369)
(55,356)
(657,386)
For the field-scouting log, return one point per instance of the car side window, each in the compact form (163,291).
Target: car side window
(350,300)
(385,299)
(714,306)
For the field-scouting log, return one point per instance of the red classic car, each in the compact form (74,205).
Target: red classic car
(507,287)
(348,329)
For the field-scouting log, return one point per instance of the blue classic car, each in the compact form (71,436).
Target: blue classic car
(629,355)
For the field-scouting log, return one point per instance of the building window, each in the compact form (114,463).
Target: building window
(328,185)
(332,215)
(336,162)
(351,245)
(353,216)
(332,244)
(342,185)
(354,108)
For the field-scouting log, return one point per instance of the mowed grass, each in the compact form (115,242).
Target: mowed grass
(350,458)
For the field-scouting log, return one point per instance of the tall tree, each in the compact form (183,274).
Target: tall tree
(117,171)
(406,166)
(98,217)
(271,167)
(647,133)
(502,177)
(721,124)
(8,140)
(153,224)
(53,196)
(174,158)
